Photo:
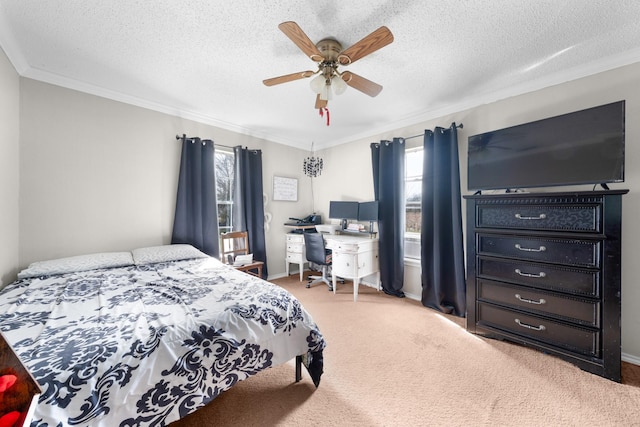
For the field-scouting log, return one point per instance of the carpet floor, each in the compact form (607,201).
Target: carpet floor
(393,362)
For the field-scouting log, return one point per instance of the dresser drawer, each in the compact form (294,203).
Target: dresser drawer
(563,335)
(546,276)
(345,247)
(582,218)
(561,306)
(564,251)
(295,248)
(295,238)
(296,258)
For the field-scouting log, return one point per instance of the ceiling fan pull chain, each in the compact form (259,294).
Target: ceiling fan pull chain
(321,111)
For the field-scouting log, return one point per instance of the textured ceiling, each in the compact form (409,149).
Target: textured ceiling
(205,59)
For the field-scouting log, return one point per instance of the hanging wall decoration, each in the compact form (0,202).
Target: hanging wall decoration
(312,165)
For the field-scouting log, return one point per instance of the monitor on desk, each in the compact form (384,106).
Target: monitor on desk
(343,211)
(368,211)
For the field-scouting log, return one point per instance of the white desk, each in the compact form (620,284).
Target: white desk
(354,257)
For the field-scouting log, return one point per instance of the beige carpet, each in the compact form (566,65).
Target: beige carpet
(393,362)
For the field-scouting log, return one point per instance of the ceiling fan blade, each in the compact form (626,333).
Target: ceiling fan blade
(295,33)
(360,83)
(287,78)
(374,41)
(320,103)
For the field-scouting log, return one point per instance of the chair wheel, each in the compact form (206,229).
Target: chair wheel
(330,288)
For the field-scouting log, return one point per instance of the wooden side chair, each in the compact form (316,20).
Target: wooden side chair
(236,243)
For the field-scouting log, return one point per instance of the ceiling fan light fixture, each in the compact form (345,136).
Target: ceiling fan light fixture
(326,94)
(339,85)
(317,83)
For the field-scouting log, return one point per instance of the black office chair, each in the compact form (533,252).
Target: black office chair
(318,254)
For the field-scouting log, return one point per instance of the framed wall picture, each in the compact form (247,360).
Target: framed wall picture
(285,189)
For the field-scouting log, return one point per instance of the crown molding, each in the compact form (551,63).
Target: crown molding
(10,47)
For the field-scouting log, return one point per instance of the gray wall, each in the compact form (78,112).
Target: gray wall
(9,159)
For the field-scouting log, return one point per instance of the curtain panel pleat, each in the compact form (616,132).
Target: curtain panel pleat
(248,204)
(196,215)
(442,246)
(388,162)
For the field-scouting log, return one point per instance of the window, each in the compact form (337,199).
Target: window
(413,190)
(224,189)
(413,202)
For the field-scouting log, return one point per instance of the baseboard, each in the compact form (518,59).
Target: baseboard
(406,294)
(630,358)
(276,276)
(413,296)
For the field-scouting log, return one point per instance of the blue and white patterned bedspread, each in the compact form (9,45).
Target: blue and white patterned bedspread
(147,345)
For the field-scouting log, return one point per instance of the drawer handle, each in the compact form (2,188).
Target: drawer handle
(530,301)
(541,216)
(537,276)
(540,249)
(535,328)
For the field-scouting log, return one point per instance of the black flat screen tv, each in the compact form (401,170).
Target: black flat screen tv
(583,147)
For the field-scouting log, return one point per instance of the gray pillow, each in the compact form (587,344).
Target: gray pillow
(165,253)
(77,263)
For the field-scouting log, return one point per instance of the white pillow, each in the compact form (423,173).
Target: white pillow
(77,263)
(165,253)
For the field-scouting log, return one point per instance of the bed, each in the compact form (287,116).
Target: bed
(148,336)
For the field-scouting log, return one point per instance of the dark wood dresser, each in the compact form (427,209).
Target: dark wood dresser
(543,270)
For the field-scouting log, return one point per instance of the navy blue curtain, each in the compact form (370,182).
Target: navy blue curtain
(248,204)
(388,185)
(442,252)
(196,217)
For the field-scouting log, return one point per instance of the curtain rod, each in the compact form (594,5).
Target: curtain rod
(460,126)
(184,136)
(453,124)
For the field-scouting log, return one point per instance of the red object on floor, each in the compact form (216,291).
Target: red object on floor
(7,381)
(10,419)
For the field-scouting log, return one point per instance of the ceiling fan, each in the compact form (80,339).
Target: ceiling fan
(329,55)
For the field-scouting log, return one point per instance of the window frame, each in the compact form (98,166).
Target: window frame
(412,239)
(229,182)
